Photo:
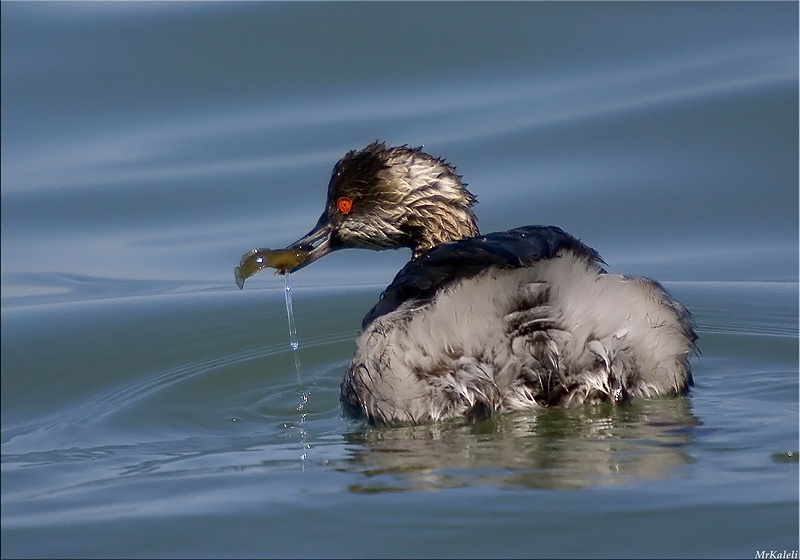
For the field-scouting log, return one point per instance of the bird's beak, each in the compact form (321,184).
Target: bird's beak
(318,243)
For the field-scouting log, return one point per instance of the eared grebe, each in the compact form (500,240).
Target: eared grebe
(479,324)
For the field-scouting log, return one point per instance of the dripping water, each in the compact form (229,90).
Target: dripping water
(294,343)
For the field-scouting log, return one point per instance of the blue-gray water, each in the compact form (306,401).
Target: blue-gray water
(150,408)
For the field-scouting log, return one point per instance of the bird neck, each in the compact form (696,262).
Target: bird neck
(435,204)
(434,224)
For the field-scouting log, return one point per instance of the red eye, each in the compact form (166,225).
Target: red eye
(344,205)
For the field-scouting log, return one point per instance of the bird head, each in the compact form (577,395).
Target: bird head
(387,198)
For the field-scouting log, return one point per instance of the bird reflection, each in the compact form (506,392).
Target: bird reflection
(552,449)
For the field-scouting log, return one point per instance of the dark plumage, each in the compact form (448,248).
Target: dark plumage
(435,269)
(479,324)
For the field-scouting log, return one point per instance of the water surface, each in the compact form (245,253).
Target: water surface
(150,408)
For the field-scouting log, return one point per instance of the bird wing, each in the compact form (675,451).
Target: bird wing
(425,275)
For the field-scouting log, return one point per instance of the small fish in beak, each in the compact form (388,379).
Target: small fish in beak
(283,260)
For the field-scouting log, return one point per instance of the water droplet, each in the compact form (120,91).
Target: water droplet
(293,342)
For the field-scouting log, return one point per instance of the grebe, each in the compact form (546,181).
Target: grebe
(478,324)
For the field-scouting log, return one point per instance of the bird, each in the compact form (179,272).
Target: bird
(475,324)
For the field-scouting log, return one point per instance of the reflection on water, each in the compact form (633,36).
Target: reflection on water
(552,449)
